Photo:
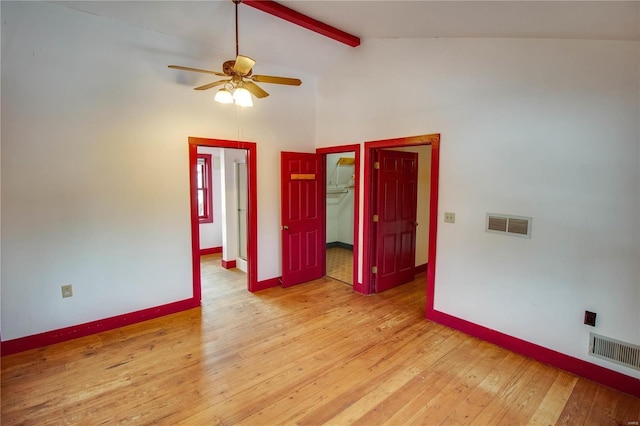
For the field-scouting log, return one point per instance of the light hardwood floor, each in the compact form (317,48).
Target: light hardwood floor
(317,353)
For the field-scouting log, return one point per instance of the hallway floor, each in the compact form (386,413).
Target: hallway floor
(340,264)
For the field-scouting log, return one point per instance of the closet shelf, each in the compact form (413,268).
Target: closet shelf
(339,189)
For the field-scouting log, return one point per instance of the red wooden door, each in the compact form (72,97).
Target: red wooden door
(397,191)
(302,218)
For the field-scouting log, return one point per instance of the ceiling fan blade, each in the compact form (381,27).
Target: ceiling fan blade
(210,85)
(276,80)
(178,67)
(255,89)
(243,65)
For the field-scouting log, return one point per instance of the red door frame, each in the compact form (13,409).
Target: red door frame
(368,258)
(357,286)
(252,210)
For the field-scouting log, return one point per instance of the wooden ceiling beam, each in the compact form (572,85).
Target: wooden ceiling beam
(290,15)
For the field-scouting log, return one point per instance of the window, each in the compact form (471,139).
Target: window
(205,198)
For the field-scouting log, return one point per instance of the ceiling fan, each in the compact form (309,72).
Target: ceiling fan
(240,84)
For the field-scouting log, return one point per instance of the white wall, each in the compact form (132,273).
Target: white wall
(94,173)
(211,233)
(333,201)
(541,128)
(345,218)
(340,206)
(230,202)
(340,217)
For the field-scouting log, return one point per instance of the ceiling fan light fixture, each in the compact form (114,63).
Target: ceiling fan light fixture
(242,97)
(238,87)
(224,97)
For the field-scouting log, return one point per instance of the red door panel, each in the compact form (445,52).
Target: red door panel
(302,218)
(397,191)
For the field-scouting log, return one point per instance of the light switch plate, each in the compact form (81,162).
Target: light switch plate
(449,217)
(67,291)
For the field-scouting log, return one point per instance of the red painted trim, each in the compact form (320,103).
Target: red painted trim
(61,335)
(272,282)
(195,223)
(252,210)
(420,268)
(356,201)
(568,363)
(228,264)
(365,286)
(369,148)
(210,250)
(304,21)
(252,213)
(433,223)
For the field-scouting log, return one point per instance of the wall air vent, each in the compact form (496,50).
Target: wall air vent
(614,350)
(517,226)
(497,224)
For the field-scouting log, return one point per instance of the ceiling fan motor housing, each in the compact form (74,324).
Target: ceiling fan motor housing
(227,68)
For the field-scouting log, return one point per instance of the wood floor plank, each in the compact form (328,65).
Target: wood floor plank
(479,365)
(488,389)
(312,354)
(387,408)
(507,406)
(435,379)
(576,411)
(354,393)
(555,399)
(627,409)
(299,373)
(530,395)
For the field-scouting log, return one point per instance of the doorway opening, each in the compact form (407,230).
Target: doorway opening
(342,200)
(242,195)
(238,152)
(426,245)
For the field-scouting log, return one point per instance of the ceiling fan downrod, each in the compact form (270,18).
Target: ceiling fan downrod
(237,2)
(235,72)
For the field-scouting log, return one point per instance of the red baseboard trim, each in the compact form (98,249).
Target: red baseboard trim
(63,334)
(579,367)
(228,264)
(210,250)
(263,285)
(360,288)
(420,268)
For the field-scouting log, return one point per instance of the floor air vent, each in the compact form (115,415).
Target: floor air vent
(614,350)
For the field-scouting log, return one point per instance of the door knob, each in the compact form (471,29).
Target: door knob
(285,227)
(415,223)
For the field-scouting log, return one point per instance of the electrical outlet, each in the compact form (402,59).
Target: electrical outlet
(449,217)
(590,318)
(67,291)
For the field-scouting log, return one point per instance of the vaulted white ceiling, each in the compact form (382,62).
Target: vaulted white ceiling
(270,39)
